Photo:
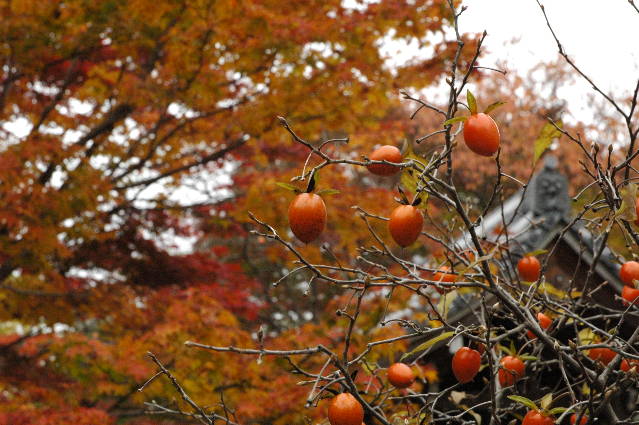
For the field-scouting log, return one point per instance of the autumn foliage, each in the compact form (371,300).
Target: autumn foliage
(121,125)
(201,219)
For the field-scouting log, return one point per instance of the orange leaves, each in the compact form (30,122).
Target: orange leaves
(107,95)
(59,415)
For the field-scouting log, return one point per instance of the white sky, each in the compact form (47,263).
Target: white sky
(601,36)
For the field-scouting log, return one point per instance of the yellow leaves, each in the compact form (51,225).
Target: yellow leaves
(151,12)
(627,210)
(411,177)
(428,372)
(402,417)
(586,336)
(548,133)
(548,288)
(31,7)
(435,323)
(546,401)
(445,303)
(205,56)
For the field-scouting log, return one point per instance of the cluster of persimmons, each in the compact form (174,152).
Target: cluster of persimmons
(307,219)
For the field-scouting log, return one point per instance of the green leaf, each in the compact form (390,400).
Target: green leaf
(454,120)
(536,253)
(288,186)
(472,103)
(328,192)
(424,200)
(410,177)
(546,401)
(546,136)
(627,210)
(525,401)
(493,106)
(528,358)
(557,410)
(504,349)
(426,345)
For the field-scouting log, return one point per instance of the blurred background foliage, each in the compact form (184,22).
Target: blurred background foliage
(136,135)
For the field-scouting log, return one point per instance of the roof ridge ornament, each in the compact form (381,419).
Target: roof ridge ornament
(549,196)
(548,203)
(551,162)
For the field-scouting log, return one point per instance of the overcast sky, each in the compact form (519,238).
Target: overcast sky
(601,36)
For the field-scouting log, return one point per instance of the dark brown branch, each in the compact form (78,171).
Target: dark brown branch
(202,161)
(117,114)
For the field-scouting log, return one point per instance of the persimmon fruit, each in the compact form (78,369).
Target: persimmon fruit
(629,293)
(582,421)
(443,275)
(468,255)
(481,134)
(604,355)
(400,375)
(629,272)
(344,409)
(627,364)
(385,153)
(405,224)
(544,323)
(465,364)
(512,370)
(307,216)
(529,268)
(535,417)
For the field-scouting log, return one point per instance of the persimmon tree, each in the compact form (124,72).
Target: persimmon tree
(120,125)
(542,355)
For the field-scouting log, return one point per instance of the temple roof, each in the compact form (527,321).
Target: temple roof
(539,213)
(535,216)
